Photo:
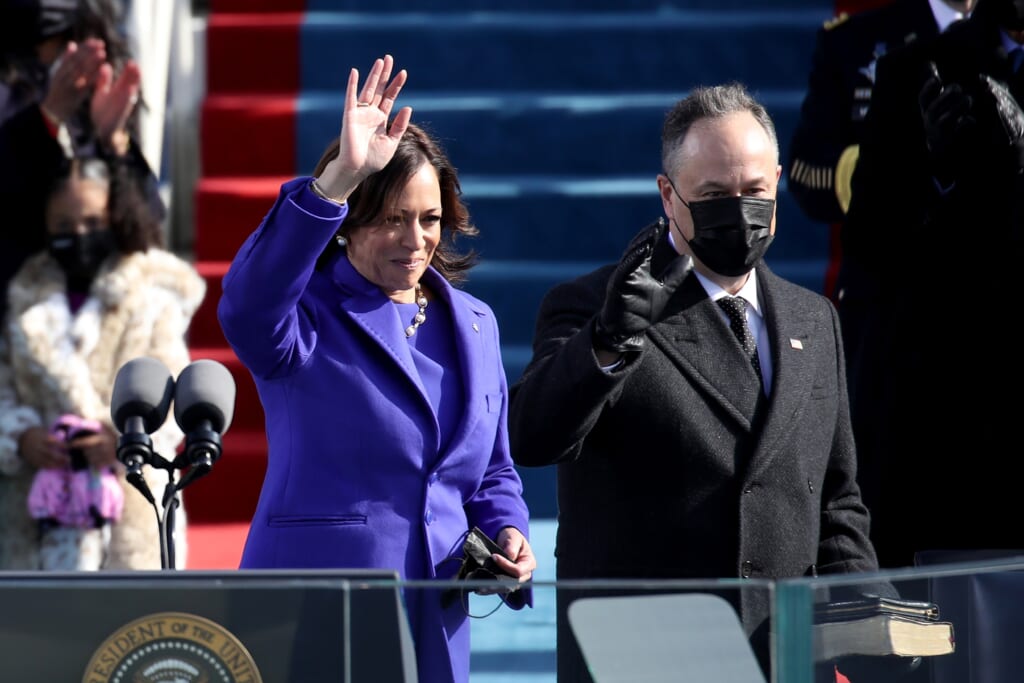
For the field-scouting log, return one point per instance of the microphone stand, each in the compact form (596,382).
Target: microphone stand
(203,447)
(135,450)
(197,467)
(165,521)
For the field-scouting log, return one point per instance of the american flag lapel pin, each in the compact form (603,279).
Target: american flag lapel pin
(796,344)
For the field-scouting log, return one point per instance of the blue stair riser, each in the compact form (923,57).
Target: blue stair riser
(520,218)
(643,52)
(532,133)
(540,490)
(514,290)
(597,226)
(555,226)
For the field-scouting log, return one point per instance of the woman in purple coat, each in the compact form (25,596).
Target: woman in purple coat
(383,386)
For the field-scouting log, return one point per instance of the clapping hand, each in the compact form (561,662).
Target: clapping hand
(948,123)
(113,100)
(366,143)
(635,297)
(73,79)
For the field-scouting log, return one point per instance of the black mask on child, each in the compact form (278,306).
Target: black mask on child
(730,234)
(81,255)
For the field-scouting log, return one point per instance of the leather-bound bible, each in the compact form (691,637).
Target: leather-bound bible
(880,627)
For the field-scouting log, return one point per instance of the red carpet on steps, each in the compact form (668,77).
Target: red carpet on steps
(216,545)
(247,148)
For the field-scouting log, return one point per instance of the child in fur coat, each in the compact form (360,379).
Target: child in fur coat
(102,293)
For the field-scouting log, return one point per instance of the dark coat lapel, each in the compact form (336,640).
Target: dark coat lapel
(694,337)
(791,335)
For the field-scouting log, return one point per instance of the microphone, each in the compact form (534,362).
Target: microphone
(142,394)
(204,404)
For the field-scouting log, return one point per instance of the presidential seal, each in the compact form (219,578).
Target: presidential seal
(171,647)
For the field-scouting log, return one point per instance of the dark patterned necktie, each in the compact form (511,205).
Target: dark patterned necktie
(736,309)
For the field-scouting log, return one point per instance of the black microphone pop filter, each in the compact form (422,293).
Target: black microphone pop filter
(143,388)
(205,391)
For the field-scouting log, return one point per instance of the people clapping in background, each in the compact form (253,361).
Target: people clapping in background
(68,87)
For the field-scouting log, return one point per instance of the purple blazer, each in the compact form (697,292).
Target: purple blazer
(356,477)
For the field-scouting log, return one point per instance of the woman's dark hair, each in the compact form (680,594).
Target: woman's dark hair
(370,202)
(132,222)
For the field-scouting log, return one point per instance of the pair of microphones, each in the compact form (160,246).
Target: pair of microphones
(204,400)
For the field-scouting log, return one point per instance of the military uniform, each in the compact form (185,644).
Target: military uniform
(839,89)
(939,441)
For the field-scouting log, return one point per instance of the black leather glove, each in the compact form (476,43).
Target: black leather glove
(635,298)
(1011,118)
(948,124)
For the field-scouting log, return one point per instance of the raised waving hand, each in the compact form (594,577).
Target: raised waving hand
(366,143)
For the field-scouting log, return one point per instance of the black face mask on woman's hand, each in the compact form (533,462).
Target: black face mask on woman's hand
(731,234)
(81,255)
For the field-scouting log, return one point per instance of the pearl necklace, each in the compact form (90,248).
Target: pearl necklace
(421,315)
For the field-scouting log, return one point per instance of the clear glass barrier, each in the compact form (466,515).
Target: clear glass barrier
(625,631)
(349,626)
(970,632)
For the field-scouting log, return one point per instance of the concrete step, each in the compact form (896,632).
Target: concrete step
(511,133)
(520,218)
(493,51)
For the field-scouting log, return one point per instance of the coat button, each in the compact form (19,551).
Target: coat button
(748,569)
(428,517)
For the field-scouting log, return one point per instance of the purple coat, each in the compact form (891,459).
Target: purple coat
(356,477)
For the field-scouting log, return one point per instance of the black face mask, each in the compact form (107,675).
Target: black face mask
(81,255)
(730,234)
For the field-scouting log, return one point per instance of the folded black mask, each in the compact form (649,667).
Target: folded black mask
(479,565)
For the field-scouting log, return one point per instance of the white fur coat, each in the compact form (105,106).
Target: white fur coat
(53,362)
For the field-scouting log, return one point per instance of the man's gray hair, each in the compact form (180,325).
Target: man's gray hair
(708,102)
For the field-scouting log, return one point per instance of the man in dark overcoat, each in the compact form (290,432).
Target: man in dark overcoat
(690,444)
